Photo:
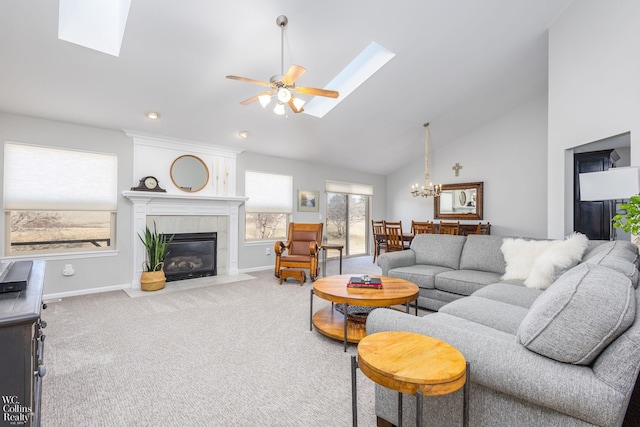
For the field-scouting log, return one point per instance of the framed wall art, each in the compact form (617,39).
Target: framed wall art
(308,201)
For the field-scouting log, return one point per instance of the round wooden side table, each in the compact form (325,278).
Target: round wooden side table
(411,363)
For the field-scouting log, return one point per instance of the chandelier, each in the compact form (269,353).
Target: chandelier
(428,189)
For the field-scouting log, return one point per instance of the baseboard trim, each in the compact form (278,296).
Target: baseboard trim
(60,295)
(253,269)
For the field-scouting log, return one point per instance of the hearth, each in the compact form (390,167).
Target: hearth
(191,255)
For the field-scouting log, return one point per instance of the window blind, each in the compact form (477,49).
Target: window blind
(348,188)
(43,178)
(268,193)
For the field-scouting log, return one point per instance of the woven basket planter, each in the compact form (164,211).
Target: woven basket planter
(152,280)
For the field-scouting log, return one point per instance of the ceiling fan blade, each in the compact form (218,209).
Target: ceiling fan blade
(293,74)
(317,92)
(249,100)
(255,98)
(294,108)
(244,79)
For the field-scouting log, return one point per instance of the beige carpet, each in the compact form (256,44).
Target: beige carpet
(229,354)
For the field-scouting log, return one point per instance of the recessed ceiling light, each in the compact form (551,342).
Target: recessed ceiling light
(243,134)
(152,115)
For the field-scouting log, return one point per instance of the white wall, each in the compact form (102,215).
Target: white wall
(508,154)
(102,272)
(306,176)
(594,88)
(110,272)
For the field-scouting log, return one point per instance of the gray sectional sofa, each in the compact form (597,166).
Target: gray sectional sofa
(567,355)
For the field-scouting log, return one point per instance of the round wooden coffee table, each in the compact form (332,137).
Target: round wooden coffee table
(413,364)
(334,324)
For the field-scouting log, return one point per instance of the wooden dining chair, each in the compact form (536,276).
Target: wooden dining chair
(483,228)
(394,238)
(422,227)
(449,227)
(379,239)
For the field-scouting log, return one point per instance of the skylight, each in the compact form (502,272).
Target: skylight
(96,24)
(369,61)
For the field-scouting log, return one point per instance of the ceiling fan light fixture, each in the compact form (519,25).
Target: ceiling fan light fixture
(279,109)
(264,100)
(283,85)
(284,95)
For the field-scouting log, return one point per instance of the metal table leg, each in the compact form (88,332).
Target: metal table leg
(346,320)
(354,394)
(419,398)
(465,394)
(399,408)
(311,312)
(324,262)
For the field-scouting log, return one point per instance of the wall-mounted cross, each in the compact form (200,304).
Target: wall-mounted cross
(457,168)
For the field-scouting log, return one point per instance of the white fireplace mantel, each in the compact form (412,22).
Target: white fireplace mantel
(147,203)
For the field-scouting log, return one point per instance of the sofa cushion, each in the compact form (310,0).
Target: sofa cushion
(481,252)
(464,282)
(438,249)
(520,254)
(510,293)
(621,248)
(495,314)
(618,264)
(579,315)
(555,260)
(421,275)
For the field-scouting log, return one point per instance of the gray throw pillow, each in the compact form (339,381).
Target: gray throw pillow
(438,249)
(618,264)
(580,314)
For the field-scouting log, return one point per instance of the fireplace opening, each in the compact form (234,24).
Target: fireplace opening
(191,255)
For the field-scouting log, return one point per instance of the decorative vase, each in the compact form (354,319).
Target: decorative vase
(152,280)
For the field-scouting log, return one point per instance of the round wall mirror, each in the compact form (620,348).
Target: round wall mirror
(189,173)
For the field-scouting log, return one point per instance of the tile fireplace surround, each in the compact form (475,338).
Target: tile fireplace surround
(177,213)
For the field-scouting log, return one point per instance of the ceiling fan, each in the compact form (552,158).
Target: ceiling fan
(283,85)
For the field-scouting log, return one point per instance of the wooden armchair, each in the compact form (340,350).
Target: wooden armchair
(302,249)
(449,227)
(422,227)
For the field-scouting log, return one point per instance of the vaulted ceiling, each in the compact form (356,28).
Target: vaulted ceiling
(457,64)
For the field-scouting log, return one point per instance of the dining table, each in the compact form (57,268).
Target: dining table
(407,237)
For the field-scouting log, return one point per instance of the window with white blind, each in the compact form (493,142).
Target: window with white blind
(58,200)
(269,205)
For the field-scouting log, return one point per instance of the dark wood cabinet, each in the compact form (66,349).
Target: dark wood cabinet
(592,218)
(21,354)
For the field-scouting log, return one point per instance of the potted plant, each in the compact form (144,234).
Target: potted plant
(156,246)
(630,221)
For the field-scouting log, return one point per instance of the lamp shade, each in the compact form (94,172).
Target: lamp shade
(264,100)
(279,109)
(613,184)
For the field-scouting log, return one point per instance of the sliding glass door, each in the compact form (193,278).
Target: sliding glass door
(346,222)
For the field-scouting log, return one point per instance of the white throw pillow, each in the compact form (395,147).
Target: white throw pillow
(520,254)
(555,260)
